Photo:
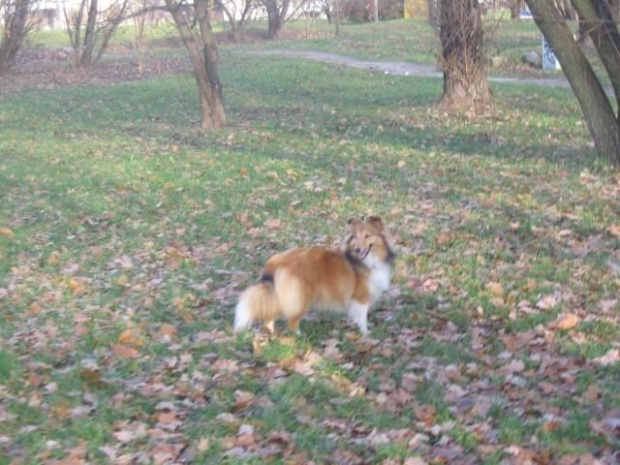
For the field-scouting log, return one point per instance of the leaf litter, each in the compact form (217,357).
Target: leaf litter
(482,348)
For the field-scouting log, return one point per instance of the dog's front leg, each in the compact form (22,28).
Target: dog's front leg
(359,315)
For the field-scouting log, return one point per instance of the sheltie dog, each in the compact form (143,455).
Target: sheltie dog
(350,280)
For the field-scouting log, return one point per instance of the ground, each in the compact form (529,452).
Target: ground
(126,234)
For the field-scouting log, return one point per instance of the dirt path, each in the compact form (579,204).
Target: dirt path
(402,68)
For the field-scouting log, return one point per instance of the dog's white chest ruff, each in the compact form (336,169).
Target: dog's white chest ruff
(379,280)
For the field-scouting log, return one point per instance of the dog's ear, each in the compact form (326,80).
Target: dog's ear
(382,229)
(376,223)
(353,224)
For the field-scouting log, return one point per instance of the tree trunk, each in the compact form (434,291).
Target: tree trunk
(273,19)
(204,62)
(327,9)
(277,11)
(235,32)
(596,107)
(337,16)
(464,60)
(515,9)
(583,36)
(599,24)
(237,25)
(569,11)
(434,15)
(89,34)
(211,60)
(14,33)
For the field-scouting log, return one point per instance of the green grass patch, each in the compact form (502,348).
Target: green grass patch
(132,232)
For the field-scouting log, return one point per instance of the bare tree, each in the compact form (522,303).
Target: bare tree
(597,108)
(141,16)
(463,57)
(237,17)
(326,8)
(566,9)
(515,8)
(337,16)
(90,28)
(194,24)
(15,21)
(278,13)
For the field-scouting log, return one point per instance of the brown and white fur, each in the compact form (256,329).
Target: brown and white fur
(349,280)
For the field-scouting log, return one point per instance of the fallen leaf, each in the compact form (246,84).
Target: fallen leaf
(547,303)
(166,333)
(242,400)
(425,413)
(124,351)
(612,356)
(273,223)
(225,366)
(565,321)
(614,230)
(228,418)
(223,248)
(54,258)
(415,461)
(92,378)
(592,394)
(515,366)
(495,288)
(550,426)
(76,286)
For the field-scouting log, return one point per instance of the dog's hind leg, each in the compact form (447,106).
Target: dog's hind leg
(293,323)
(293,298)
(269,326)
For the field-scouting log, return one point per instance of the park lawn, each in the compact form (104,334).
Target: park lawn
(126,234)
(394,40)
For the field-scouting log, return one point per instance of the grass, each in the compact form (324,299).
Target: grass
(127,233)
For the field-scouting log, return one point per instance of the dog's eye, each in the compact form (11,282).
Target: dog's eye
(367,236)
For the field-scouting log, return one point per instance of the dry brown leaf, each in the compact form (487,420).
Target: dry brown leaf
(76,287)
(612,356)
(495,288)
(444,238)
(166,333)
(547,303)
(54,258)
(550,426)
(223,248)
(614,230)
(129,337)
(165,417)
(426,413)
(242,400)
(516,366)
(124,351)
(592,394)
(415,461)
(225,366)
(273,223)
(565,321)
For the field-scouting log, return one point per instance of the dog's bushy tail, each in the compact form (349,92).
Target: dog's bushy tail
(257,302)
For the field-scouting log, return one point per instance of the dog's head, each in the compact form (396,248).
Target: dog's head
(369,241)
